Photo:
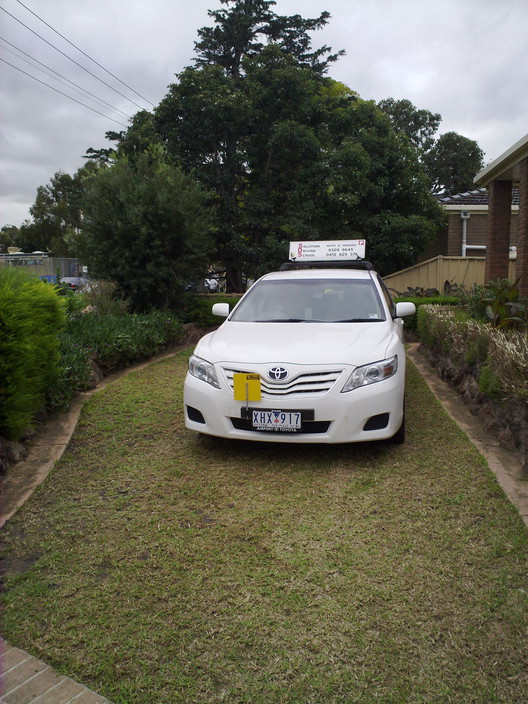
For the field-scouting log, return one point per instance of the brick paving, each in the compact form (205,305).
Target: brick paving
(26,680)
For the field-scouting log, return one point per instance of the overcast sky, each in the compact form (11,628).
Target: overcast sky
(465,59)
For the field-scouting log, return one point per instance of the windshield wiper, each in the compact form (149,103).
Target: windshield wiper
(285,320)
(359,320)
(303,320)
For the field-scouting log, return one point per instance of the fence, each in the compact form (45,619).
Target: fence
(41,264)
(433,273)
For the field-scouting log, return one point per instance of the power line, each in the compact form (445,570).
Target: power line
(72,60)
(64,80)
(85,54)
(65,94)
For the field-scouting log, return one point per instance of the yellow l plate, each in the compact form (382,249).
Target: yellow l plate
(246,387)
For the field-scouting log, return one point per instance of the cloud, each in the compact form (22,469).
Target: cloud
(463,59)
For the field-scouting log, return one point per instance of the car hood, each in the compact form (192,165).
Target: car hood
(297,343)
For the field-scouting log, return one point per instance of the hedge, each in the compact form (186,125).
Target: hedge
(411,322)
(32,317)
(500,356)
(111,341)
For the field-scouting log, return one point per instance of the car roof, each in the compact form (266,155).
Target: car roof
(296,274)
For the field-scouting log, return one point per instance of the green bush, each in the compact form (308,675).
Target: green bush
(501,356)
(411,321)
(113,341)
(73,373)
(32,315)
(472,301)
(105,298)
(47,344)
(498,303)
(116,341)
(489,384)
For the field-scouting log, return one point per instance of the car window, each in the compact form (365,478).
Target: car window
(311,300)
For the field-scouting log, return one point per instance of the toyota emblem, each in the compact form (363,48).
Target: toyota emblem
(277,373)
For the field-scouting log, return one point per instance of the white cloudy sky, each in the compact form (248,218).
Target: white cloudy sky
(465,59)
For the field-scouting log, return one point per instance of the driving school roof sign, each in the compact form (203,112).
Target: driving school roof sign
(329,250)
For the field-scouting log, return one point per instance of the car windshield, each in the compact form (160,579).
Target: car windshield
(311,301)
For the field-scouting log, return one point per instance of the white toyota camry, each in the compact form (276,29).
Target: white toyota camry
(310,356)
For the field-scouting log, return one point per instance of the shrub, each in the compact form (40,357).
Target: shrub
(489,384)
(411,322)
(498,302)
(73,373)
(104,297)
(32,316)
(472,301)
(501,355)
(508,359)
(113,342)
(504,308)
(116,341)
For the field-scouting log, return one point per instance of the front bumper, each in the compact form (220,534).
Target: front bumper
(373,412)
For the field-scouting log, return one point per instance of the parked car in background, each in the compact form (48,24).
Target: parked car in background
(76,283)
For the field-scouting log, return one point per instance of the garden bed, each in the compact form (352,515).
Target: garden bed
(487,367)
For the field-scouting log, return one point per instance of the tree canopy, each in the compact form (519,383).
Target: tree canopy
(281,152)
(246,28)
(451,161)
(57,214)
(420,126)
(146,226)
(288,152)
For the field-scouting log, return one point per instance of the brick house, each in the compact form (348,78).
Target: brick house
(467,229)
(499,178)
(492,220)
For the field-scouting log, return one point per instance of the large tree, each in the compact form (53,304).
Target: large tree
(245,29)
(221,116)
(56,214)
(288,152)
(8,237)
(146,227)
(419,125)
(453,163)
(132,143)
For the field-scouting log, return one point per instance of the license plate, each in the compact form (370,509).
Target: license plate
(281,421)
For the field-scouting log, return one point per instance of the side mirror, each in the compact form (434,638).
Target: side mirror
(221,309)
(405,308)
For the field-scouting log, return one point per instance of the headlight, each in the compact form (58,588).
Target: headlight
(203,370)
(371,373)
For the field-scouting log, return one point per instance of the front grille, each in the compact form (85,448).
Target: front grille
(311,427)
(307,384)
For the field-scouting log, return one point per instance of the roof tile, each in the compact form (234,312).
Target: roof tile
(479,196)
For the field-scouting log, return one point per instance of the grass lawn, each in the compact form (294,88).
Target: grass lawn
(158,566)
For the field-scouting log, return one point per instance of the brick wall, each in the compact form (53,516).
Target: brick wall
(499,225)
(436,248)
(477,232)
(522,243)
